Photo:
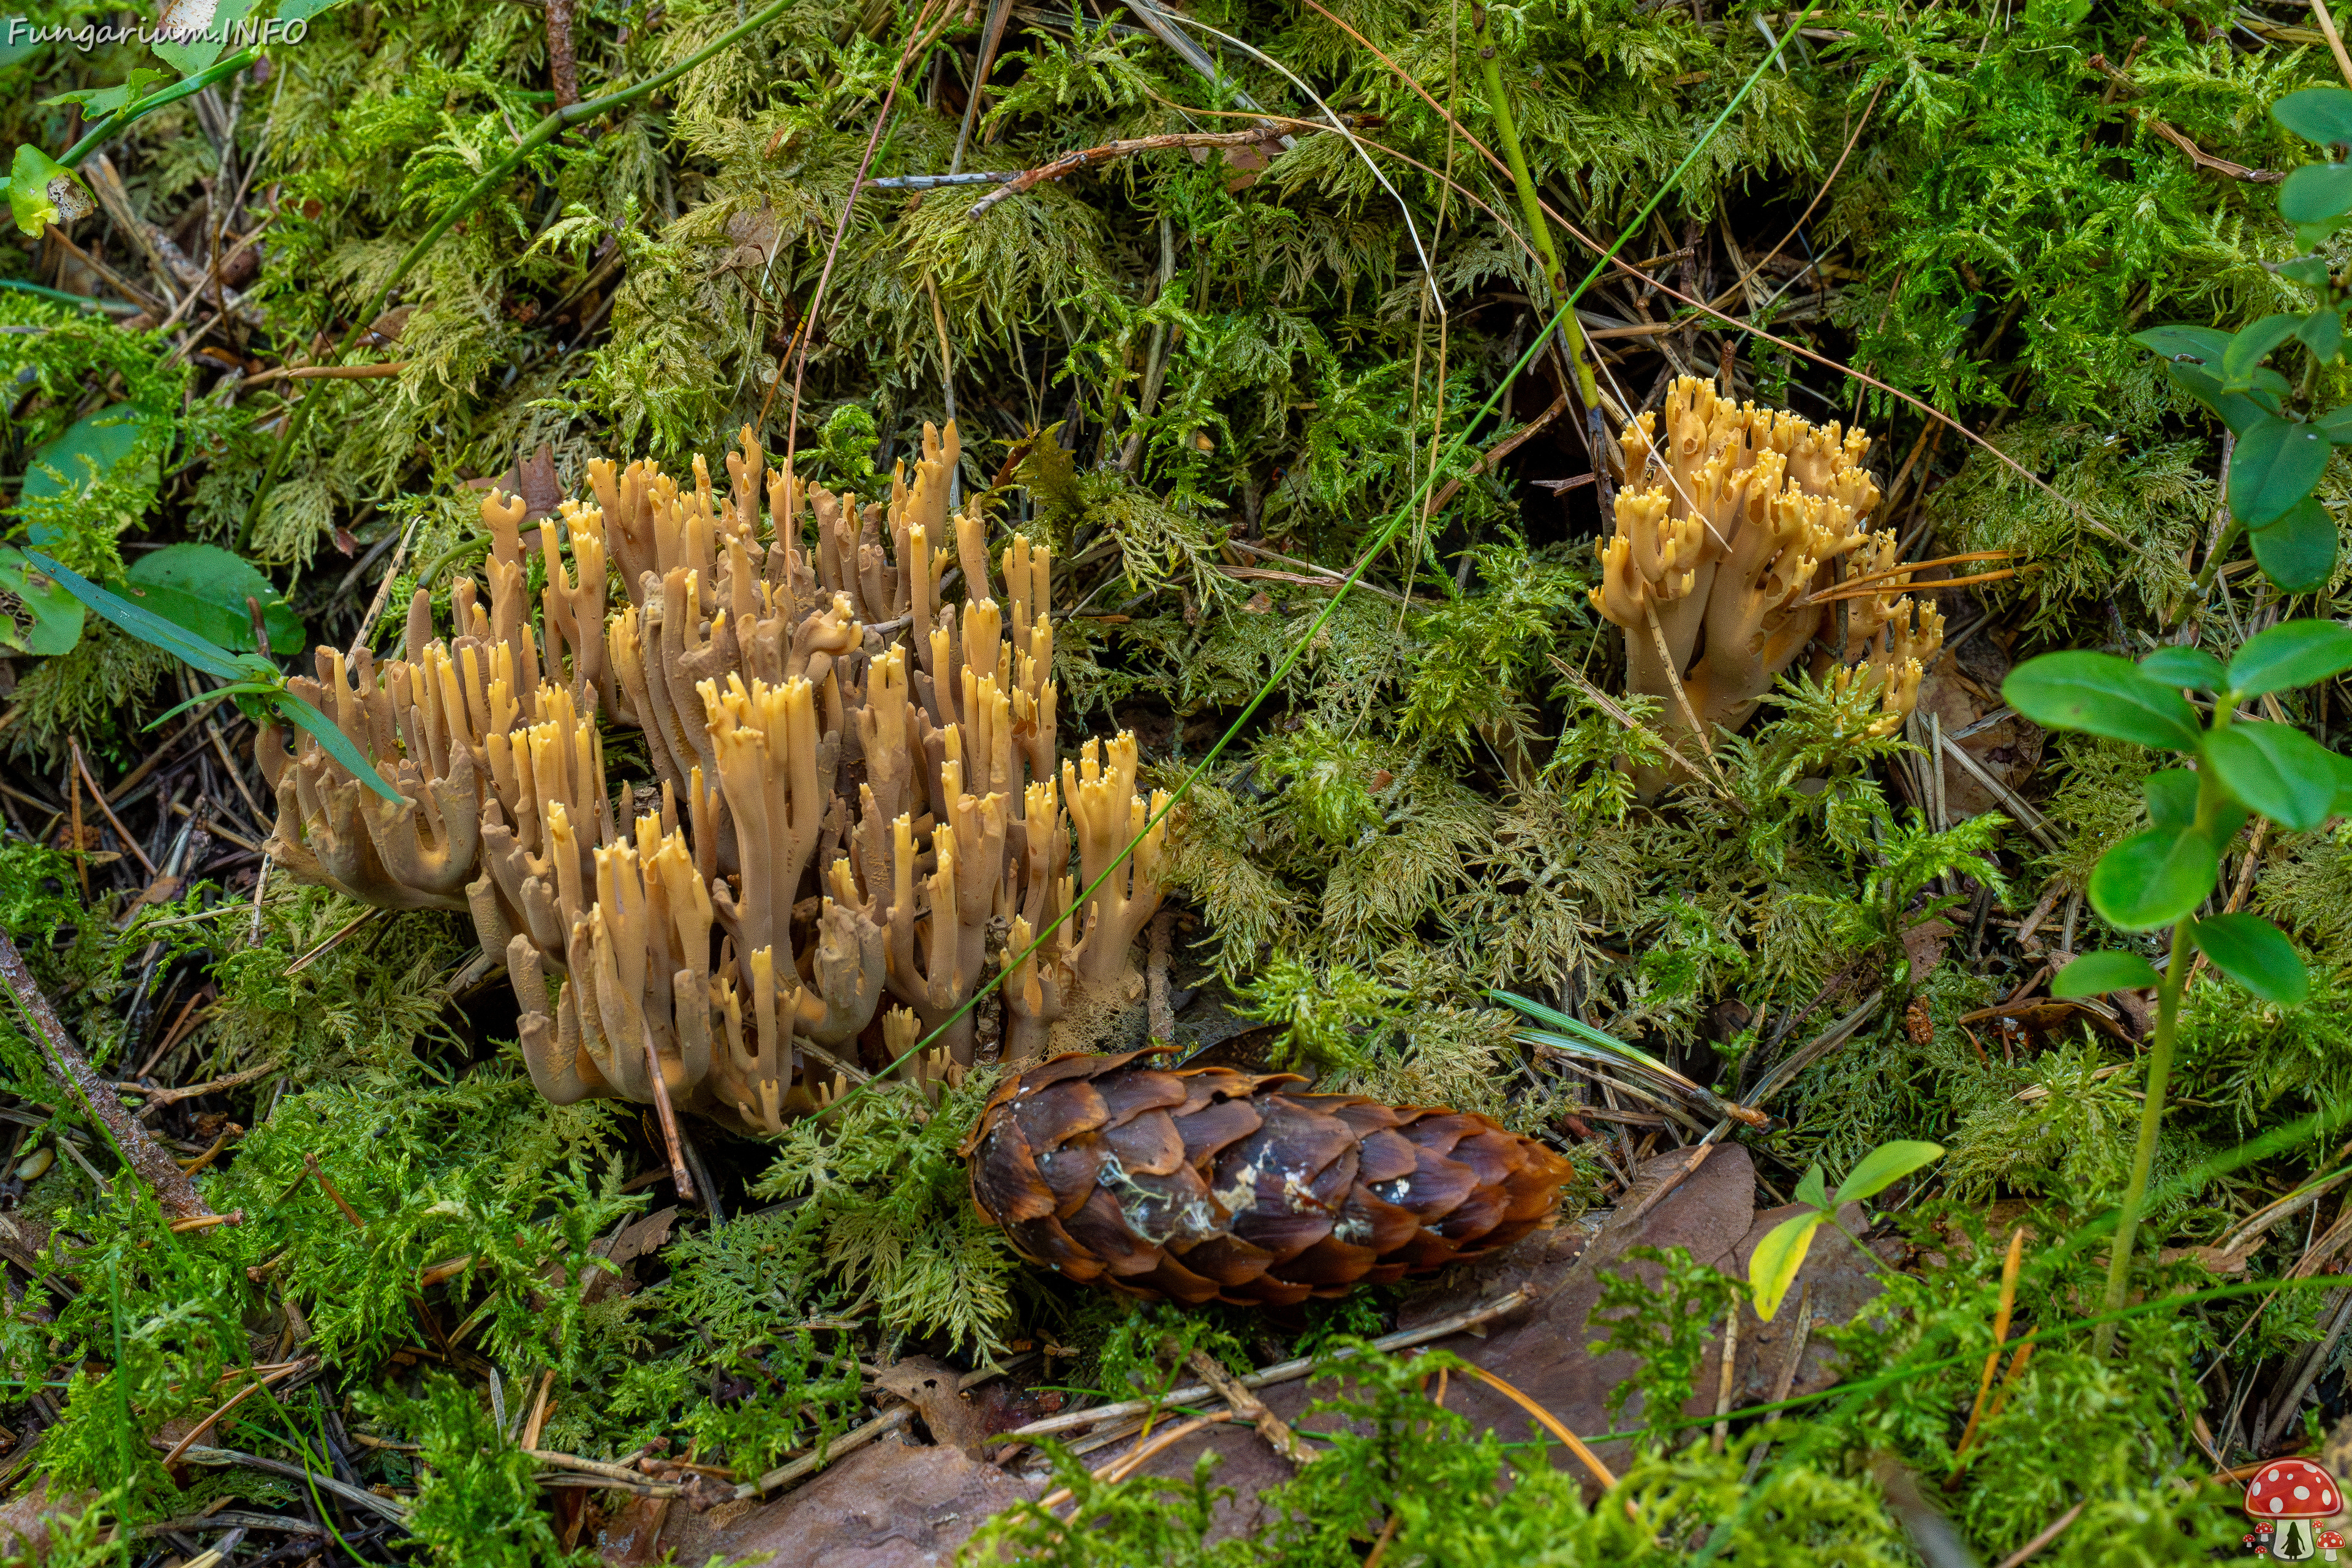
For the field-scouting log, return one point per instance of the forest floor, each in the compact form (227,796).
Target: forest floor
(1239,309)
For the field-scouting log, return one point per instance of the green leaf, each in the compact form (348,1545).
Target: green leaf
(2171,797)
(2336,424)
(2275,465)
(2316,194)
(2200,346)
(37,615)
(1813,1188)
(97,102)
(2299,550)
(1885,1165)
(2275,769)
(2321,115)
(42,190)
(2101,694)
(2323,333)
(1773,1267)
(337,744)
(2182,666)
(2153,878)
(94,448)
(152,628)
(2253,344)
(2255,953)
(203,588)
(2095,973)
(2295,653)
(2241,411)
(2311,271)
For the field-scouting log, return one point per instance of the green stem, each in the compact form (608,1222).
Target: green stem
(140,108)
(539,136)
(1506,131)
(2209,803)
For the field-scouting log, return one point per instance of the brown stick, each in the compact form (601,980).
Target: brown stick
(327,371)
(147,1159)
(1071,162)
(98,795)
(2025,1553)
(1248,1406)
(678,1172)
(332,1190)
(1499,451)
(562,69)
(162,1097)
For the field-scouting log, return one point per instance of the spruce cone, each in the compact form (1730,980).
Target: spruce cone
(1213,1185)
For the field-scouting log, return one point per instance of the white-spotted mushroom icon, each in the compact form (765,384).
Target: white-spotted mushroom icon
(2292,1496)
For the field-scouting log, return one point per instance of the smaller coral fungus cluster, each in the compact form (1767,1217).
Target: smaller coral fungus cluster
(858,794)
(1729,531)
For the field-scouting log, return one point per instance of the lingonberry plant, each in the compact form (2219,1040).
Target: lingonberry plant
(2280,437)
(2165,875)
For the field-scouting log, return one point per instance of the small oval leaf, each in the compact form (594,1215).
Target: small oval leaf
(2273,465)
(1885,1165)
(2153,878)
(2299,550)
(2102,695)
(2276,770)
(2256,954)
(2294,654)
(2181,665)
(2095,973)
(2321,115)
(2316,192)
(1773,1267)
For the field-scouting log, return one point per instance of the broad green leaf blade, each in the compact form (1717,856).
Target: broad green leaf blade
(2311,271)
(2250,346)
(2275,769)
(152,628)
(1773,1267)
(2095,973)
(2171,797)
(1885,1165)
(2241,411)
(2256,954)
(2101,694)
(2200,346)
(2336,424)
(2316,192)
(37,615)
(2153,878)
(337,744)
(98,103)
(2296,653)
(203,588)
(1813,1188)
(2180,666)
(2299,550)
(2275,465)
(2321,115)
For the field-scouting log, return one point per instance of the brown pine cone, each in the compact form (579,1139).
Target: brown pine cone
(1209,1185)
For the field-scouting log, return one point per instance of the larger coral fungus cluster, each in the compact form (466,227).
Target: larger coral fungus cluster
(1729,534)
(858,793)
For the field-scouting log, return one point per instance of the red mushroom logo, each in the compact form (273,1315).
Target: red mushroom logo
(2291,1496)
(2330,1544)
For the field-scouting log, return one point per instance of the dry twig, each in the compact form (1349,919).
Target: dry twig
(147,1159)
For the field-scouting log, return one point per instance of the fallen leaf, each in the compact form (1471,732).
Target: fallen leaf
(930,1386)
